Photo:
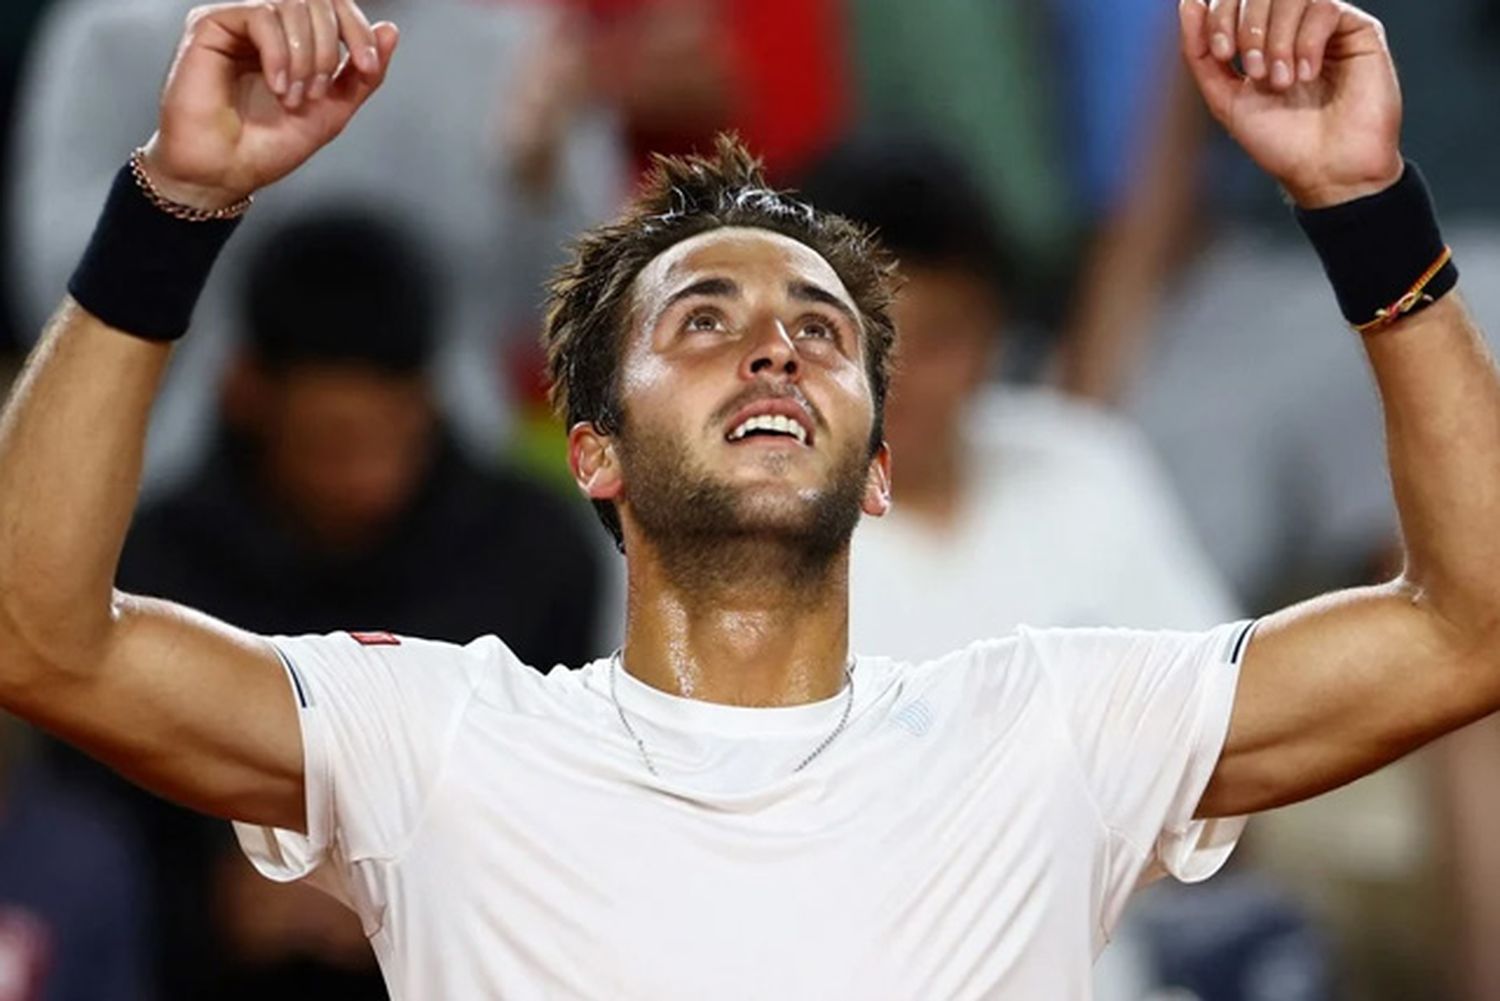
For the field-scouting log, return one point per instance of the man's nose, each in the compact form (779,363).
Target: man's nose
(772,352)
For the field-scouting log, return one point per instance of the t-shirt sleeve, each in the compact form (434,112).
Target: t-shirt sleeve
(1149,714)
(378,716)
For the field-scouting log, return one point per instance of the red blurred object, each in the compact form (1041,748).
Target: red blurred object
(793,59)
(781,66)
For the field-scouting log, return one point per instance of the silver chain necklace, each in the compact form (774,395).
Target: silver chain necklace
(614,672)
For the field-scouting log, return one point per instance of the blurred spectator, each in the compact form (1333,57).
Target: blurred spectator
(1068,498)
(334,494)
(334,498)
(73,909)
(987,477)
(430,151)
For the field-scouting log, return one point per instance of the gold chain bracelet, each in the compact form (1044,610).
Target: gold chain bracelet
(176,209)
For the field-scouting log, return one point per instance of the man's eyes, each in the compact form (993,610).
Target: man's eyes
(704,321)
(707,321)
(819,329)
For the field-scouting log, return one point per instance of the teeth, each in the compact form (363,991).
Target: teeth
(775,423)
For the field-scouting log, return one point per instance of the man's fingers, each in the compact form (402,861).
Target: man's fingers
(297,24)
(1281,41)
(1319,24)
(1221,29)
(358,35)
(229,34)
(264,28)
(1215,76)
(1255,22)
(325,30)
(352,87)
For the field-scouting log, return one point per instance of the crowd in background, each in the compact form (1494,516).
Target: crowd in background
(1125,397)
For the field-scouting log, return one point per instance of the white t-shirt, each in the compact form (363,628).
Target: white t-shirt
(973,833)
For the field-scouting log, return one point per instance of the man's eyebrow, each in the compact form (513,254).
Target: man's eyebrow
(715,287)
(808,292)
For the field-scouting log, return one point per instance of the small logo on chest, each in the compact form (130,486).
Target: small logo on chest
(916,718)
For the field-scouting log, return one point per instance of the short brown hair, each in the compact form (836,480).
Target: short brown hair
(588,301)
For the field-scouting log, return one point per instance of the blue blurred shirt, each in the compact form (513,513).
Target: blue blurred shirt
(1115,59)
(72,914)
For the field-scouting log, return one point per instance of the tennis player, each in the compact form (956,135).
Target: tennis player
(734,806)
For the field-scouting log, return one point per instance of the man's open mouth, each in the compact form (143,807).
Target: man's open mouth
(769,425)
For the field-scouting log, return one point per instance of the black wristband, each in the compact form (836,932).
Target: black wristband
(144,269)
(1384,253)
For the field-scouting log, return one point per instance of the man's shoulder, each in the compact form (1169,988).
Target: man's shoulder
(984,665)
(422,669)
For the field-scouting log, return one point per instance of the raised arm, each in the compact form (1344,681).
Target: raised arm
(185,706)
(1340,686)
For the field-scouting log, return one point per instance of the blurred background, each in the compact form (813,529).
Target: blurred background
(1126,398)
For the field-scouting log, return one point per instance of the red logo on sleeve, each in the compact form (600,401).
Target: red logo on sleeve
(376,639)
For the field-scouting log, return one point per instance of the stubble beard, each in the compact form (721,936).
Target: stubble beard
(710,537)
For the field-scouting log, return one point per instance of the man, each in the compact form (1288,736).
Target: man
(733,806)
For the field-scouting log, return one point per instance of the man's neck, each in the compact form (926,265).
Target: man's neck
(760,634)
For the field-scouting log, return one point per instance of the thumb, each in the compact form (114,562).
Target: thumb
(352,87)
(1216,79)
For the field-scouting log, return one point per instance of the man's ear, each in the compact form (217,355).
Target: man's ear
(878,483)
(594,462)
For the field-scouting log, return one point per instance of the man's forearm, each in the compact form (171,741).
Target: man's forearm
(72,438)
(1441,397)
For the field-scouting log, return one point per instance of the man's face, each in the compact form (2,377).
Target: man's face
(344,448)
(747,405)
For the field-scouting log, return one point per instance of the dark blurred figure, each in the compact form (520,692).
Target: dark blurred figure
(334,499)
(17,21)
(73,914)
(335,496)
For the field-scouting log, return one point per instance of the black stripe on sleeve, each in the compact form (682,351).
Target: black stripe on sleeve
(291,669)
(1241,641)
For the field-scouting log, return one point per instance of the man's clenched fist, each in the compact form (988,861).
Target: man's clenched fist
(258,88)
(1317,104)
